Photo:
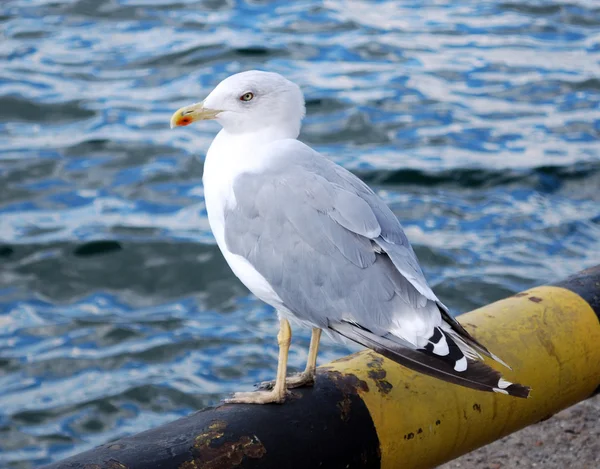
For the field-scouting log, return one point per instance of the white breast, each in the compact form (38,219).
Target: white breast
(226,159)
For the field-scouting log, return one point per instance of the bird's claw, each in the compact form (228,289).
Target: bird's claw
(257,397)
(291,382)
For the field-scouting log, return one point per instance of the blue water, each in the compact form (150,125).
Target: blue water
(478,122)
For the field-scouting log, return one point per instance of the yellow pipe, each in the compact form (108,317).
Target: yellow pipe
(549,335)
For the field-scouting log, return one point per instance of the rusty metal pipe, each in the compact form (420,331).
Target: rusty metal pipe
(367,412)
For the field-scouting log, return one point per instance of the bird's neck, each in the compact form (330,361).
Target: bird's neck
(235,153)
(260,135)
(229,156)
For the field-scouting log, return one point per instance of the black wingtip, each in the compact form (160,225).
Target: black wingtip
(515,390)
(477,375)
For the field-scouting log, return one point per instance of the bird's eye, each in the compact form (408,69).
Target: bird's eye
(246,96)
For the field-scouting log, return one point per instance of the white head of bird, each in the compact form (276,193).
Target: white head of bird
(248,102)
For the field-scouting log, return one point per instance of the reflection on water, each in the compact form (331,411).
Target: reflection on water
(477,122)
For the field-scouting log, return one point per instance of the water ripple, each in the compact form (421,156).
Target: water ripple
(477,122)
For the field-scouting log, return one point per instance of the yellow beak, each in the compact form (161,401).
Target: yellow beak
(195,112)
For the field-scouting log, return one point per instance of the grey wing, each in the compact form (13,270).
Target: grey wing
(392,240)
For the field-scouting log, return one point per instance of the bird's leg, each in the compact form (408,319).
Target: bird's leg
(307,377)
(278,393)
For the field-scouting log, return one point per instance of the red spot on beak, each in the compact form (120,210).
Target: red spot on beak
(184,121)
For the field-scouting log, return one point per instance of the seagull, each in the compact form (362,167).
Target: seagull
(316,243)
